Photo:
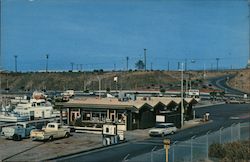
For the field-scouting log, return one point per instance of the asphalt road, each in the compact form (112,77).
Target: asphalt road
(220,115)
(220,82)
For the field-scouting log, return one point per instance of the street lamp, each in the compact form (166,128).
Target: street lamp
(15,63)
(99,79)
(47,59)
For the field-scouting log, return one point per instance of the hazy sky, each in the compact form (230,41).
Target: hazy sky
(99,34)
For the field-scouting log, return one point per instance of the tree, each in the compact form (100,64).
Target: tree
(140,65)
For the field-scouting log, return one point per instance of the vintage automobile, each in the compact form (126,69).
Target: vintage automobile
(163,129)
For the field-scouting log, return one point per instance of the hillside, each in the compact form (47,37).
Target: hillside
(132,80)
(241,81)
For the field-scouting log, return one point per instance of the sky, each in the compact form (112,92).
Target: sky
(100,34)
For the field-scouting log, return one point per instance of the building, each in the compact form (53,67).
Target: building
(132,114)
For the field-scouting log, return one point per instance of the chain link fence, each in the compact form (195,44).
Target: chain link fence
(197,148)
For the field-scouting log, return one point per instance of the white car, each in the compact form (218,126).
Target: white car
(162,129)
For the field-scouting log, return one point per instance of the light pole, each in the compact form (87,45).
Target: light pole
(15,63)
(145,59)
(72,66)
(99,79)
(217,60)
(47,60)
(182,104)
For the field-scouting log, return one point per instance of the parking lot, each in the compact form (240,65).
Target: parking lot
(28,150)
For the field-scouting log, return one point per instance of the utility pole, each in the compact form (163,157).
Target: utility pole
(15,63)
(127,58)
(114,67)
(145,59)
(81,66)
(47,60)
(72,66)
(178,66)
(204,71)
(168,65)
(185,64)
(182,104)
(151,64)
(217,60)
(99,79)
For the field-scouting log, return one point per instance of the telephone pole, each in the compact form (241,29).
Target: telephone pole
(127,58)
(145,59)
(72,66)
(47,60)
(15,63)
(217,60)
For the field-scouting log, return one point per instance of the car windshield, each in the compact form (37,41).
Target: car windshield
(160,126)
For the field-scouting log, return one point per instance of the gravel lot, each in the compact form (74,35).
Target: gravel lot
(28,150)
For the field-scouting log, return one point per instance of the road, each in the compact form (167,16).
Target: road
(220,115)
(220,82)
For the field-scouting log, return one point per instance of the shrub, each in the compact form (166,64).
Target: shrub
(217,151)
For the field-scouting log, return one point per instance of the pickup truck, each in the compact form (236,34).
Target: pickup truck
(52,131)
(18,132)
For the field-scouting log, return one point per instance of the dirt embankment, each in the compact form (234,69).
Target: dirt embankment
(241,81)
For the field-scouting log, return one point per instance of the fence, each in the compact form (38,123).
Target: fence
(197,148)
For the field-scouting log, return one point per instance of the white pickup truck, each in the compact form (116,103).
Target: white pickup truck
(52,131)
(18,132)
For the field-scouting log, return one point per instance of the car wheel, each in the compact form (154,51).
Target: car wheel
(162,134)
(15,137)
(19,138)
(172,132)
(51,138)
(67,135)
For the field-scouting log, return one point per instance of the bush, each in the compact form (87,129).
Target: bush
(231,151)
(217,151)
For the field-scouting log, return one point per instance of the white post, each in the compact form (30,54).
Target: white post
(207,144)
(220,133)
(239,130)
(173,150)
(192,148)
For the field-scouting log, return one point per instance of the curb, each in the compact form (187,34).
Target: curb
(84,151)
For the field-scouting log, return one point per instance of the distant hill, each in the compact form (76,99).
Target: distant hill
(132,80)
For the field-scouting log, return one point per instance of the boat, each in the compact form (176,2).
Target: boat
(10,116)
(36,108)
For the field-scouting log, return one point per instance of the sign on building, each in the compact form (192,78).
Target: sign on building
(160,118)
(194,92)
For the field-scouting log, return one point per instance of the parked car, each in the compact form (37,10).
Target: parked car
(18,132)
(52,131)
(162,129)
